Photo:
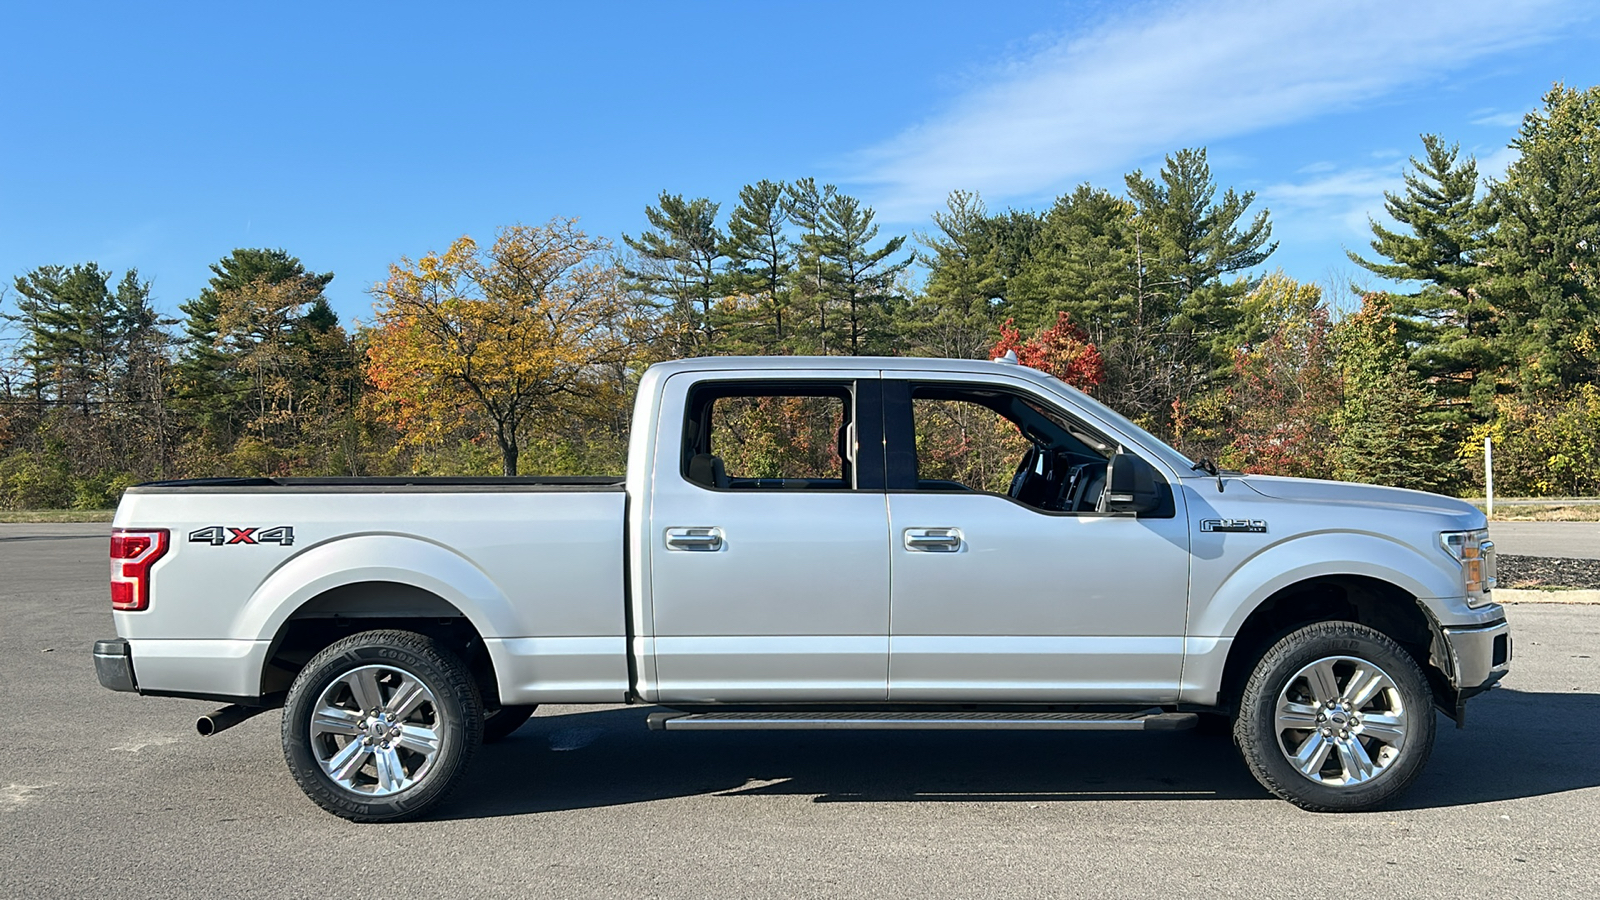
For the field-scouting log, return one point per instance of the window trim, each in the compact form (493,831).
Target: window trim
(900,452)
(863,407)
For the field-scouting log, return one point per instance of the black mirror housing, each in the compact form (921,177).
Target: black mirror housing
(1131,485)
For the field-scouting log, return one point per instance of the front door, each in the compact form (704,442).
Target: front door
(1008,585)
(769,565)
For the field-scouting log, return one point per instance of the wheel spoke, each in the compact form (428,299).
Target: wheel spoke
(347,762)
(1324,683)
(1293,715)
(333,720)
(366,751)
(420,739)
(364,687)
(391,775)
(1389,729)
(1312,754)
(406,698)
(1338,729)
(1363,686)
(1353,758)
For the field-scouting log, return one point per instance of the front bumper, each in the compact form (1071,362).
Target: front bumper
(113,664)
(1480,655)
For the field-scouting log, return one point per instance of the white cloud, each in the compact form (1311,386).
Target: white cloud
(1336,205)
(1333,205)
(1494,165)
(1157,77)
(1500,119)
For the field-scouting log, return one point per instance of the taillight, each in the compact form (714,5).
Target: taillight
(132,555)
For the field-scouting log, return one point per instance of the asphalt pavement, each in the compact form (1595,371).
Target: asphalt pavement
(1575,540)
(106,794)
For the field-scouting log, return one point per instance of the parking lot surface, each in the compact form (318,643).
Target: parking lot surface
(1573,540)
(105,794)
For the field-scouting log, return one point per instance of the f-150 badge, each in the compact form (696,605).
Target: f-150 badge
(218,535)
(1250,526)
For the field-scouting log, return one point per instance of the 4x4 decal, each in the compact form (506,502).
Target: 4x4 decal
(218,535)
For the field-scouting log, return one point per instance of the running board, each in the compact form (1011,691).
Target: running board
(1151,720)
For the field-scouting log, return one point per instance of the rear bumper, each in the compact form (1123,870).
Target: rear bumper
(113,664)
(184,668)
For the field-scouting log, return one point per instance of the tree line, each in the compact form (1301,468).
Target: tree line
(520,355)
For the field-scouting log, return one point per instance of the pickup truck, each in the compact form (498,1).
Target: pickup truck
(818,543)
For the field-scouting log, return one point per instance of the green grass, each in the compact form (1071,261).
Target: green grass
(55,515)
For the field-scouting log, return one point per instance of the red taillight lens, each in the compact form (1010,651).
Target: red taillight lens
(132,555)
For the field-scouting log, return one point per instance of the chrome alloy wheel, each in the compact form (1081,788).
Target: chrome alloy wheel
(1340,721)
(375,730)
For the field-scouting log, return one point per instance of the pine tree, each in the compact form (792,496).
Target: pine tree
(1382,431)
(805,202)
(1447,319)
(96,359)
(956,315)
(1194,243)
(680,267)
(1440,208)
(860,278)
(1084,263)
(1544,254)
(760,260)
(1094,260)
(236,270)
(209,392)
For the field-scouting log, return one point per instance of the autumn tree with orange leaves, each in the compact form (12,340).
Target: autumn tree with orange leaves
(1063,350)
(1286,387)
(495,343)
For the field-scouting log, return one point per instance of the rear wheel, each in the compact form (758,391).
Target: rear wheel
(1336,717)
(381,725)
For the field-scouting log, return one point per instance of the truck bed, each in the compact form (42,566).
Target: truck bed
(535,565)
(415,483)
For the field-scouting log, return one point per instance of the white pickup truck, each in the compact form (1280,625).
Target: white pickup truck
(818,543)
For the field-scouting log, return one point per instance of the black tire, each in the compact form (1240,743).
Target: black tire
(449,720)
(1367,759)
(498,724)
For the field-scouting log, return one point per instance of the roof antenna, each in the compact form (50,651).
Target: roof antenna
(1009,358)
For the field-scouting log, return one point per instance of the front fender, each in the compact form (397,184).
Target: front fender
(1317,555)
(376,558)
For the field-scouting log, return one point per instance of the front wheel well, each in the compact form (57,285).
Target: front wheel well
(350,609)
(1351,598)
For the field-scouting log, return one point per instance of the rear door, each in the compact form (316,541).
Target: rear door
(769,559)
(1008,585)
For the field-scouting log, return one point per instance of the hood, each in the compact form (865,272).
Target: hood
(1313,490)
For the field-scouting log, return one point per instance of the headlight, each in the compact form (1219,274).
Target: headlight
(1475,552)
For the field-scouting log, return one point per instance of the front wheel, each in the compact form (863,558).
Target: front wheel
(380,726)
(1336,717)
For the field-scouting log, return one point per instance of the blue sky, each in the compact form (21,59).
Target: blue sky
(161,137)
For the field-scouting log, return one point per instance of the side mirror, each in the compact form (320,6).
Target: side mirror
(1130,486)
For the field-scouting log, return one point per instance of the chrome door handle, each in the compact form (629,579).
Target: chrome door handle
(709,539)
(933,540)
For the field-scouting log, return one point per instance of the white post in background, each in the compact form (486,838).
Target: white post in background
(1488,475)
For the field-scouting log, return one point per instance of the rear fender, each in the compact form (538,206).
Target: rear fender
(376,558)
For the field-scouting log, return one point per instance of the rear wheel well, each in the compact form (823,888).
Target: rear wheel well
(1351,598)
(350,609)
